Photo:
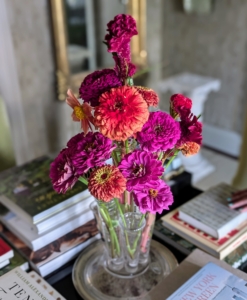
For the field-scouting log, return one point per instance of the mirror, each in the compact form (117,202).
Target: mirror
(75,40)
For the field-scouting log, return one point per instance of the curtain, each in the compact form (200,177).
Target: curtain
(240,179)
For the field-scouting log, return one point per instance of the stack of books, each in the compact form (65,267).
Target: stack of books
(206,222)
(46,228)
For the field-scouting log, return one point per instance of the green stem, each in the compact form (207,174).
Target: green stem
(138,236)
(171,160)
(114,156)
(125,233)
(126,146)
(83,180)
(160,156)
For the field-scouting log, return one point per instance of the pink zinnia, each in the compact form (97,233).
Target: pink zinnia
(62,172)
(154,197)
(89,151)
(97,83)
(140,167)
(161,132)
(191,128)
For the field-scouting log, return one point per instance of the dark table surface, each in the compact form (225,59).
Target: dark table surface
(61,280)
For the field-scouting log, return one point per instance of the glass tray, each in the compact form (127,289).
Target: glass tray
(92,280)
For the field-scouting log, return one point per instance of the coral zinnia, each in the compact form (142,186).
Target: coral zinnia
(106,183)
(191,128)
(89,151)
(160,133)
(153,197)
(140,167)
(97,83)
(121,113)
(81,112)
(178,102)
(62,172)
(189,148)
(148,95)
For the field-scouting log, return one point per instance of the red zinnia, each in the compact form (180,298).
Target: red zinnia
(178,102)
(121,113)
(106,183)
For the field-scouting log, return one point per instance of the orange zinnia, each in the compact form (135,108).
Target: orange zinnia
(121,113)
(81,112)
(106,183)
(190,148)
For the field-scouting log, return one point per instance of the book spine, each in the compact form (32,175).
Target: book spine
(234,245)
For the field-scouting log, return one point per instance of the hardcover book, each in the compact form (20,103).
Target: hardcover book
(212,282)
(17,284)
(236,258)
(209,211)
(60,251)
(28,192)
(37,241)
(5,251)
(219,248)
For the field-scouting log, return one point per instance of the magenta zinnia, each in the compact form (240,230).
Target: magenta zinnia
(62,172)
(191,128)
(121,113)
(140,167)
(89,151)
(97,83)
(106,183)
(153,197)
(160,132)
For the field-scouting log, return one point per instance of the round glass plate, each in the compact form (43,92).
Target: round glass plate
(92,281)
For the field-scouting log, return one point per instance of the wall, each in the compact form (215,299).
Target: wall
(212,45)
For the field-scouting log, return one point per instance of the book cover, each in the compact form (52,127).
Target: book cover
(210,213)
(212,282)
(216,247)
(27,191)
(47,257)
(17,284)
(236,258)
(5,251)
(46,286)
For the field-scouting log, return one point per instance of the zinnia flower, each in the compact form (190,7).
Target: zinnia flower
(148,95)
(106,183)
(89,151)
(81,112)
(140,167)
(161,132)
(178,102)
(191,128)
(62,172)
(153,197)
(121,113)
(189,148)
(97,83)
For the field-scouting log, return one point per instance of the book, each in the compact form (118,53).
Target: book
(28,192)
(4,263)
(37,241)
(16,261)
(219,248)
(60,251)
(212,282)
(236,258)
(46,286)
(187,268)
(17,284)
(5,251)
(209,211)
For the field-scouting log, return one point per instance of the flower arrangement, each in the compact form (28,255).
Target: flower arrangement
(116,123)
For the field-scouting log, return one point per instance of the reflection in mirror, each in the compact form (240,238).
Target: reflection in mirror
(79,23)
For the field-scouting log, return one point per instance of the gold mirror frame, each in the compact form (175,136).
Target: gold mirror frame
(136,8)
